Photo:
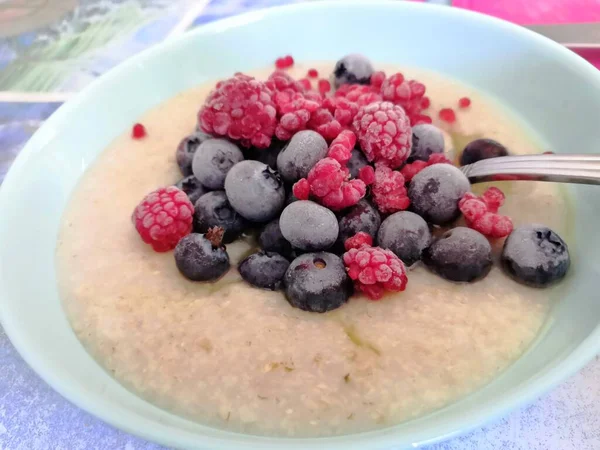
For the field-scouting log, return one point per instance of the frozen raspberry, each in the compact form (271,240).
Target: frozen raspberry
(301,189)
(389,191)
(312,73)
(377,79)
(163,217)
(359,240)
(383,131)
(324,86)
(425,102)
(464,102)
(375,270)
(241,108)
(284,62)
(406,93)
(358,93)
(281,81)
(447,115)
(295,111)
(329,183)
(367,175)
(138,131)
(481,213)
(341,147)
(410,170)
(323,122)
(305,83)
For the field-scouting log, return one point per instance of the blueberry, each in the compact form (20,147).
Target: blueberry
(535,255)
(309,226)
(361,217)
(192,187)
(435,191)
(186,150)
(352,69)
(461,254)
(406,234)
(213,160)
(303,151)
(271,239)
(200,257)
(213,210)
(357,161)
(268,155)
(264,270)
(255,191)
(317,282)
(426,140)
(482,149)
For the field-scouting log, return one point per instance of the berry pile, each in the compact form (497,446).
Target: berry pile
(345,188)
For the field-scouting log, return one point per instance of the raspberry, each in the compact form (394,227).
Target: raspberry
(312,73)
(295,113)
(410,170)
(367,175)
(324,86)
(389,191)
(377,79)
(138,131)
(359,240)
(425,102)
(323,122)
(481,213)
(447,115)
(281,81)
(301,189)
(345,111)
(383,131)
(328,181)
(464,102)
(163,217)
(241,108)
(358,93)
(341,147)
(284,62)
(375,270)
(406,93)
(305,83)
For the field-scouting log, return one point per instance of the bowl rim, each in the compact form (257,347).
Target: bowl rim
(133,423)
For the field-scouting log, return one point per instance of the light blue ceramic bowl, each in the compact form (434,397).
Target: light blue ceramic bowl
(554,91)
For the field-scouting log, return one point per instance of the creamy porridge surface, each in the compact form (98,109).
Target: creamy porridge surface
(236,357)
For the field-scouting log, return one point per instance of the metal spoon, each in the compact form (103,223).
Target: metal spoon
(582,169)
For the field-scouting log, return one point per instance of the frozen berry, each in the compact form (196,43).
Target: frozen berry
(352,69)
(264,270)
(447,115)
(357,162)
(163,217)
(481,213)
(383,131)
(192,187)
(389,190)
(284,62)
(241,108)
(435,191)
(317,282)
(482,149)
(186,150)
(212,161)
(201,257)
(426,140)
(255,191)
(359,240)
(138,131)
(409,170)
(464,102)
(361,217)
(341,147)
(309,226)
(213,210)
(409,94)
(271,239)
(460,254)
(266,156)
(303,151)
(312,73)
(535,255)
(406,234)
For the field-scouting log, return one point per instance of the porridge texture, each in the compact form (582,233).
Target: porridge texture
(232,356)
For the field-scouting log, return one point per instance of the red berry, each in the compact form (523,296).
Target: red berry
(384,133)
(389,190)
(425,102)
(345,111)
(284,62)
(481,213)
(377,79)
(305,82)
(323,122)
(138,131)
(324,86)
(241,108)
(312,73)
(410,170)
(295,112)
(447,115)
(406,93)
(367,175)
(281,81)
(163,217)
(341,147)
(289,60)
(464,102)
(358,93)
(301,189)
(375,270)
(359,240)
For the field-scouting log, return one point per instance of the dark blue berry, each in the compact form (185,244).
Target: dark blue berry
(482,149)
(192,187)
(352,69)
(271,240)
(309,226)
(426,140)
(435,191)
(461,254)
(361,217)
(264,270)
(406,234)
(357,161)
(304,150)
(186,150)
(255,191)
(213,160)
(535,255)
(213,210)
(317,282)
(200,257)
(267,156)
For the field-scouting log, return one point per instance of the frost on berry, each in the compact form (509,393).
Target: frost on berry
(341,147)
(409,94)
(384,133)
(301,189)
(367,175)
(375,271)
(481,213)
(359,240)
(323,122)
(281,81)
(241,108)
(410,170)
(377,79)
(358,93)
(389,190)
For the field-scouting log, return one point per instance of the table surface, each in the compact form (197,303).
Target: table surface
(50,49)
